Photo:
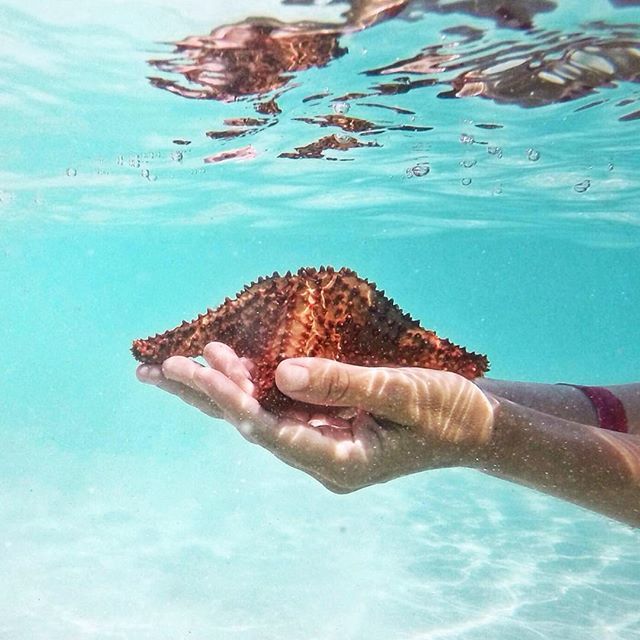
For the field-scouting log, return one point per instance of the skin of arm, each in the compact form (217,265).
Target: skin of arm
(564,401)
(591,467)
(411,420)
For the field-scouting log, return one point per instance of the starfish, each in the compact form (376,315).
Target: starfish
(316,312)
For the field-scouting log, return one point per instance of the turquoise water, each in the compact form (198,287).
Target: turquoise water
(124,514)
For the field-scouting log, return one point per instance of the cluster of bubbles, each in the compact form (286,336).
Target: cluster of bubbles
(467,164)
(422,169)
(418,170)
(137,161)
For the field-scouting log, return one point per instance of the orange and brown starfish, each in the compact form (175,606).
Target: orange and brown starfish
(315,312)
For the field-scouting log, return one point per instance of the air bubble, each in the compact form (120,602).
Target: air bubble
(71,172)
(465,138)
(419,170)
(610,166)
(533,155)
(466,181)
(494,151)
(497,190)
(177,156)
(467,164)
(581,187)
(340,108)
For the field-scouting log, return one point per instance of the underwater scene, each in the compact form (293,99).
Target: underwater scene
(476,160)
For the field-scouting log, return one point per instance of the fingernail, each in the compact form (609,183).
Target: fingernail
(292,377)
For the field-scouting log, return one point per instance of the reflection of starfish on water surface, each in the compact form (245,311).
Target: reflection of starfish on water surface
(528,74)
(316,149)
(259,55)
(246,59)
(259,58)
(316,312)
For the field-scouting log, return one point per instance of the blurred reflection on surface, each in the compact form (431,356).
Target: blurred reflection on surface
(259,59)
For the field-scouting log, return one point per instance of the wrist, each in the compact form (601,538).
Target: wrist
(486,455)
(473,447)
(517,432)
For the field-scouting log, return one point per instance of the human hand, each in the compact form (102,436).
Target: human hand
(404,420)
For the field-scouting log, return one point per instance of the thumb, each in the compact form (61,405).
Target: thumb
(318,381)
(441,402)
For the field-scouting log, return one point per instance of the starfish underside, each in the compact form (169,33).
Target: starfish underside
(316,312)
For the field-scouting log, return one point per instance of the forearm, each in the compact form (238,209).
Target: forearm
(564,401)
(591,467)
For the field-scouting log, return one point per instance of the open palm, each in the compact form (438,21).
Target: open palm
(396,421)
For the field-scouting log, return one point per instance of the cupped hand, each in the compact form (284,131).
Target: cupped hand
(396,421)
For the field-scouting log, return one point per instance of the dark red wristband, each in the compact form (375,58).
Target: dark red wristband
(609,408)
